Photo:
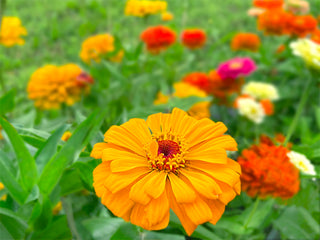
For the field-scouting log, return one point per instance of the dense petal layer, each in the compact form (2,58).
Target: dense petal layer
(98,149)
(182,192)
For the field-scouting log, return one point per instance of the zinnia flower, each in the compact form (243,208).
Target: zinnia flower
(274,22)
(259,90)
(143,8)
(168,161)
(98,47)
(193,38)
(301,26)
(267,171)
(308,50)
(301,162)
(158,38)
(245,41)
(51,86)
(250,109)
(198,79)
(184,90)
(269,4)
(236,67)
(11,31)
(167,16)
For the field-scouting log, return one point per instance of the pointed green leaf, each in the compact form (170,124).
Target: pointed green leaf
(7,102)
(27,165)
(11,225)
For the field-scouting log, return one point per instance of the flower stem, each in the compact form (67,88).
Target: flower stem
(295,120)
(67,207)
(256,203)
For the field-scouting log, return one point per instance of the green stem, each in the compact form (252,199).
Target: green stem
(67,207)
(252,212)
(2,7)
(302,102)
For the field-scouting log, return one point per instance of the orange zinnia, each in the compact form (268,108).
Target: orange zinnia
(273,22)
(301,25)
(267,171)
(268,3)
(198,79)
(168,161)
(268,106)
(193,38)
(316,36)
(245,41)
(158,38)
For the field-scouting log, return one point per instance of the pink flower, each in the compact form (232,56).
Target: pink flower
(236,67)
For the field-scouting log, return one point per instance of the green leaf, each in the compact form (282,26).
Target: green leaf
(33,141)
(317,112)
(58,229)
(297,223)
(70,182)
(70,151)
(85,170)
(114,72)
(27,166)
(7,102)
(11,225)
(128,231)
(161,236)
(47,151)
(186,103)
(102,228)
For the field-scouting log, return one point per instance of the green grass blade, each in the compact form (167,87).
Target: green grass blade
(70,151)
(27,165)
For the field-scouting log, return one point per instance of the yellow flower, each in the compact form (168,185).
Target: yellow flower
(4,196)
(142,8)
(11,31)
(308,50)
(251,109)
(259,90)
(51,86)
(301,162)
(183,90)
(168,161)
(57,208)
(167,16)
(66,135)
(95,47)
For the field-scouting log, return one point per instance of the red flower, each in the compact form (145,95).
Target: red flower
(198,79)
(158,38)
(268,3)
(301,25)
(193,38)
(273,22)
(245,41)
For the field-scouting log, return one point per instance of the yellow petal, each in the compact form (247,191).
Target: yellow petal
(100,173)
(198,211)
(217,209)
(110,154)
(227,193)
(122,165)
(177,117)
(154,122)
(139,128)
(182,192)
(186,124)
(156,184)
(207,154)
(203,184)
(225,141)
(97,150)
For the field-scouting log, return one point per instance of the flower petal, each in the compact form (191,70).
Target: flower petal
(97,150)
(156,184)
(100,173)
(217,208)
(208,154)
(224,141)
(182,192)
(154,122)
(110,154)
(139,128)
(198,211)
(228,193)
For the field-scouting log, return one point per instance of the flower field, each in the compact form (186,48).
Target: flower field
(151,119)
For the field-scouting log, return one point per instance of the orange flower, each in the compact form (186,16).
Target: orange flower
(158,38)
(223,88)
(66,135)
(269,4)
(301,25)
(167,16)
(198,79)
(273,22)
(245,41)
(268,106)
(267,171)
(193,38)
(168,161)
(96,47)
(51,86)
(316,36)
(11,32)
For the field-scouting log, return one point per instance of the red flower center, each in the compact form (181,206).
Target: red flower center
(168,148)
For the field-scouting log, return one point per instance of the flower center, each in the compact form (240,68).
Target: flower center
(236,65)
(168,148)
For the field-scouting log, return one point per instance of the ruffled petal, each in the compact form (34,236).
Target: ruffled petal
(156,184)
(98,149)
(139,128)
(182,192)
(154,122)
(217,208)
(100,173)
(228,193)
(198,211)
(202,183)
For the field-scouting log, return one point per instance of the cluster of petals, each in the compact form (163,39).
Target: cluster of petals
(301,26)
(315,37)
(308,50)
(267,171)
(260,90)
(169,161)
(51,86)
(251,108)
(158,38)
(193,38)
(245,41)
(184,90)
(97,47)
(302,163)
(268,4)
(236,68)
(11,32)
(142,8)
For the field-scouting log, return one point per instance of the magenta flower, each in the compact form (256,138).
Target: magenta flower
(236,67)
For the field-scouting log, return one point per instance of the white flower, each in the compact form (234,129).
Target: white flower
(251,109)
(308,50)
(301,162)
(261,90)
